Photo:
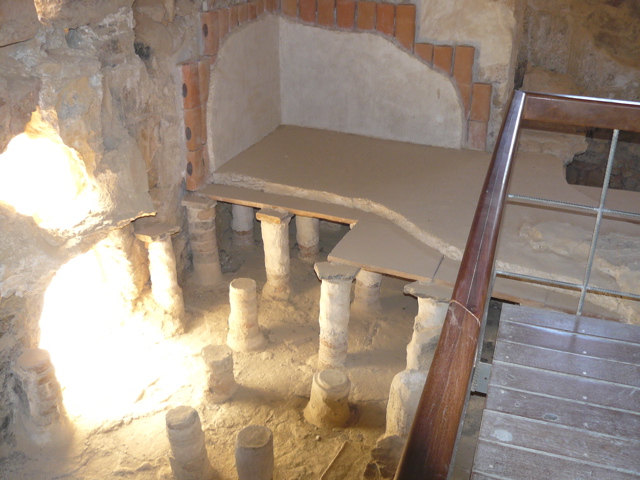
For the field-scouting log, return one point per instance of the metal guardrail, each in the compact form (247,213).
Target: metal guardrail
(430,448)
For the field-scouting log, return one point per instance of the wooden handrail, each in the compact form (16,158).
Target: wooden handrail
(430,447)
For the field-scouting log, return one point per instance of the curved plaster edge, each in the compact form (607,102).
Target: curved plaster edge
(363,204)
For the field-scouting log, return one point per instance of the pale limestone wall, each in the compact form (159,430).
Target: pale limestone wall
(244,98)
(361,83)
(488,25)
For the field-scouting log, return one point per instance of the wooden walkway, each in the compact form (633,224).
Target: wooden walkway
(563,399)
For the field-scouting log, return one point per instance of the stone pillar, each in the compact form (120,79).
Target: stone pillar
(329,402)
(367,293)
(433,303)
(308,237)
(164,277)
(242,225)
(335,296)
(404,395)
(244,330)
(221,384)
(254,453)
(275,236)
(188,459)
(201,216)
(39,411)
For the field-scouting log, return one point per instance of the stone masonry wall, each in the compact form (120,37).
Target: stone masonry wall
(104,75)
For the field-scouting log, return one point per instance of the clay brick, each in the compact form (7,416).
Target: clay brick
(346,13)
(480,102)
(326,13)
(272,6)
(425,52)
(261,7)
(243,14)
(366,16)
(193,128)
(406,25)
(463,65)
(223,22)
(190,84)
(477,135)
(195,169)
(290,8)
(443,57)
(385,18)
(465,95)
(308,11)
(204,76)
(253,11)
(233,18)
(203,123)
(210,29)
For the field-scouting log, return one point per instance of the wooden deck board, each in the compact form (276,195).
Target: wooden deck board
(563,399)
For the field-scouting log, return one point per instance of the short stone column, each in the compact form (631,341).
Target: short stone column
(275,236)
(201,216)
(40,412)
(242,225)
(404,396)
(221,384)
(335,296)
(367,292)
(308,237)
(244,330)
(164,278)
(433,303)
(254,453)
(188,459)
(329,402)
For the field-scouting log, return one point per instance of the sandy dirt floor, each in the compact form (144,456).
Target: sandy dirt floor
(274,388)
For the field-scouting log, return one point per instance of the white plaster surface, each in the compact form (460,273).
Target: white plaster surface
(244,98)
(361,83)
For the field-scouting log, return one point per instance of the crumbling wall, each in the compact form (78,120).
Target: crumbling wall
(593,43)
(103,75)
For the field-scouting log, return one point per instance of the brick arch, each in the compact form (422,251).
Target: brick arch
(395,23)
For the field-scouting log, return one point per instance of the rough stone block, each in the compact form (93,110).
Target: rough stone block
(18,21)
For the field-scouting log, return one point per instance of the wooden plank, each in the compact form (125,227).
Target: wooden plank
(570,323)
(548,437)
(513,463)
(574,364)
(552,339)
(564,412)
(556,110)
(571,387)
